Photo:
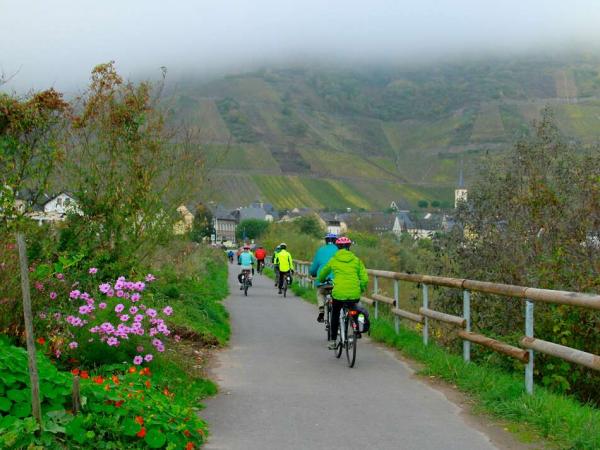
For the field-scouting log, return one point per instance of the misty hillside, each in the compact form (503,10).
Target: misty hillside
(360,138)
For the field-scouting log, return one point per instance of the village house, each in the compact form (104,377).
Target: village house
(225,222)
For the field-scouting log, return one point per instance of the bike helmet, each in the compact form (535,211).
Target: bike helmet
(343,242)
(330,237)
(246,247)
(283,245)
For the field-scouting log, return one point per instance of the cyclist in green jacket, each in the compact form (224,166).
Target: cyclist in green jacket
(350,281)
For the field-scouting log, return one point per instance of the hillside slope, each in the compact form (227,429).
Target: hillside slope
(341,138)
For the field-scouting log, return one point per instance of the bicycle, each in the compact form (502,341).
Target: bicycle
(348,334)
(327,318)
(260,265)
(246,283)
(284,286)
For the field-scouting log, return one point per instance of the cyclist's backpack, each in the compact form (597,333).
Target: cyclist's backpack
(364,324)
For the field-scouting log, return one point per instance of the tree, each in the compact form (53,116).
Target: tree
(203,223)
(310,225)
(251,229)
(435,204)
(423,204)
(127,170)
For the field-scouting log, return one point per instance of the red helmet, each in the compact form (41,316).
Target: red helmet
(246,247)
(342,241)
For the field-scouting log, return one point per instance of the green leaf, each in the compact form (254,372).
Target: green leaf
(42,271)
(155,439)
(131,427)
(17,395)
(21,410)
(5,404)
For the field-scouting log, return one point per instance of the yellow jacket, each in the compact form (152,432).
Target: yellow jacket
(284,259)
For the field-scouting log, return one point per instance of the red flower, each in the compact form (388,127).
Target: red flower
(98,379)
(147,383)
(75,371)
(189,446)
(119,403)
(84,374)
(139,419)
(132,369)
(141,433)
(107,387)
(41,340)
(115,379)
(187,433)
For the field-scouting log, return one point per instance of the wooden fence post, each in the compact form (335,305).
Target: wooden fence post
(33,372)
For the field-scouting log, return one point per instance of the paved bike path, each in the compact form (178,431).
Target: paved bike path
(280,388)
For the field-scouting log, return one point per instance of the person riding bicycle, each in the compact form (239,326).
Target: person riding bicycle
(322,257)
(260,254)
(246,260)
(284,260)
(351,281)
(276,265)
(230,256)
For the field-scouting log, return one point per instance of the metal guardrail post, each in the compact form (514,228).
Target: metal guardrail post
(376,291)
(396,298)
(425,319)
(467,317)
(529,333)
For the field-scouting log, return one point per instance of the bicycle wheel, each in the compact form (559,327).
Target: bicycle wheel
(285,286)
(246,286)
(340,338)
(351,341)
(328,321)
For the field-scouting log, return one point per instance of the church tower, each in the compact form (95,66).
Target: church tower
(460,193)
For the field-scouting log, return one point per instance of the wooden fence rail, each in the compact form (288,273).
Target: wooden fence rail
(531,295)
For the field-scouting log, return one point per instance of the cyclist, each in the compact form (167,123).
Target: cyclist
(276,265)
(284,260)
(230,256)
(246,260)
(260,254)
(350,278)
(322,257)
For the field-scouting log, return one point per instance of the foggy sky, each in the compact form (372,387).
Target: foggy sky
(57,42)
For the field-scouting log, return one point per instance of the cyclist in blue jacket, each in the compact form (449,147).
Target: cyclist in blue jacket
(321,258)
(246,260)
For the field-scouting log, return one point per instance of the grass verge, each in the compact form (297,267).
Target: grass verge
(562,421)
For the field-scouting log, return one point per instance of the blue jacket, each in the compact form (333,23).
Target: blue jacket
(246,259)
(322,257)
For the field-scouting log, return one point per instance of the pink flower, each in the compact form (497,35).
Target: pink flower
(120,307)
(135,297)
(60,276)
(150,278)
(151,312)
(112,341)
(168,310)
(138,360)
(138,318)
(157,342)
(124,318)
(39,286)
(102,305)
(120,293)
(148,357)
(139,286)
(53,295)
(133,310)
(177,338)
(104,288)
(92,270)
(110,293)
(57,353)
(73,345)
(140,348)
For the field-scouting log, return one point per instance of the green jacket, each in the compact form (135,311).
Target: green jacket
(350,275)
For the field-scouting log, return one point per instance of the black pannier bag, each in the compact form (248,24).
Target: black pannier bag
(362,318)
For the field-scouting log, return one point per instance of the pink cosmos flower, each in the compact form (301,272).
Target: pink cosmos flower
(135,297)
(151,312)
(138,360)
(60,276)
(156,342)
(168,310)
(102,305)
(53,295)
(148,357)
(124,318)
(39,286)
(73,345)
(93,270)
(57,353)
(120,307)
(138,318)
(177,338)
(133,310)
(104,288)
(112,341)
(160,348)
(150,278)
(139,286)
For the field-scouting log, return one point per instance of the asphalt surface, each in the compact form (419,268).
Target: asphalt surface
(280,388)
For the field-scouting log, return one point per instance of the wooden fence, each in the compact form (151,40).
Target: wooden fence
(528,343)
